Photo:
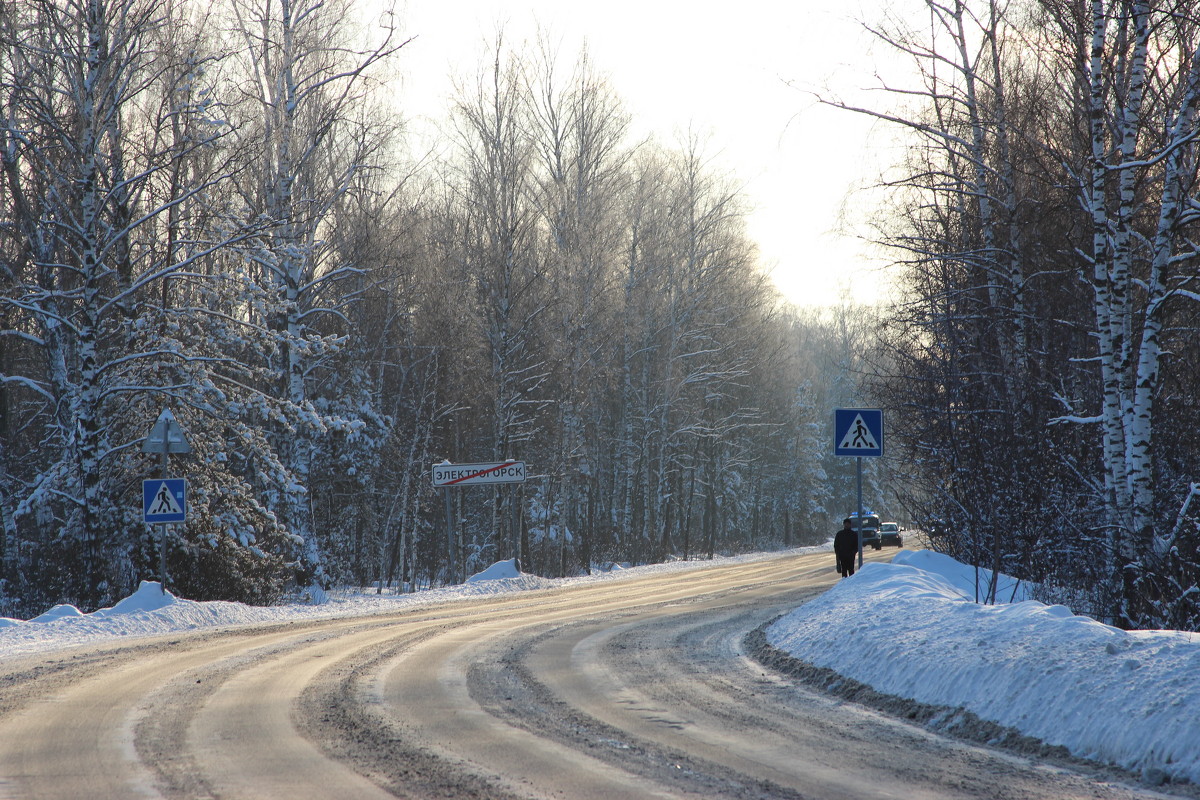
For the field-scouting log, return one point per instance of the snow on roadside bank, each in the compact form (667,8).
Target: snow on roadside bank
(149,611)
(911,628)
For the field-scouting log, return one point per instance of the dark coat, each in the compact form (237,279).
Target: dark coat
(845,544)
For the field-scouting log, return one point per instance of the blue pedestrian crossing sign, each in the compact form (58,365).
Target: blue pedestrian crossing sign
(858,432)
(164,500)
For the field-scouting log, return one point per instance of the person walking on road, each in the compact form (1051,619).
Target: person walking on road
(845,548)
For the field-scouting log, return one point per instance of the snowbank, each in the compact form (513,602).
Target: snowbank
(912,629)
(150,611)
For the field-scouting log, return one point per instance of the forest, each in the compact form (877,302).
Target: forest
(1042,367)
(220,209)
(217,209)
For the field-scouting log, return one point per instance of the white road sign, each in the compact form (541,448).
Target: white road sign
(166,436)
(447,474)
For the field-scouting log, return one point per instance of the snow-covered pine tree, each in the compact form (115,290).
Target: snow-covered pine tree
(304,78)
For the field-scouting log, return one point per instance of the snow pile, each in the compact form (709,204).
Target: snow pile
(61,611)
(504,575)
(911,628)
(148,597)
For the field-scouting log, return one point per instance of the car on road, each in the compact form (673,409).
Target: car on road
(889,533)
(870,530)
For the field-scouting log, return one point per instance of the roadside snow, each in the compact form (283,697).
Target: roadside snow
(911,628)
(150,611)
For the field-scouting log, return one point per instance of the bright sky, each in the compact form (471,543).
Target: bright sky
(722,69)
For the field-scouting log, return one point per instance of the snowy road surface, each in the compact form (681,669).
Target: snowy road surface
(641,688)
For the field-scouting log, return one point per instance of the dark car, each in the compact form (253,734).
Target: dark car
(889,534)
(870,529)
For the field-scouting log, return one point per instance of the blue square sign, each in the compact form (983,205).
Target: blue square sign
(164,500)
(858,432)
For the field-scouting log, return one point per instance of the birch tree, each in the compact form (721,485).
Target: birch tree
(500,260)
(1001,352)
(1137,272)
(689,285)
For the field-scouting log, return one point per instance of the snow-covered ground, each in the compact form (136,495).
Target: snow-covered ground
(911,628)
(908,628)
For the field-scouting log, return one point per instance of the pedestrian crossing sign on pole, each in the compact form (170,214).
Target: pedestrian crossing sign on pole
(164,500)
(858,432)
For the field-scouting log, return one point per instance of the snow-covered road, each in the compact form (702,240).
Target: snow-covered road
(638,684)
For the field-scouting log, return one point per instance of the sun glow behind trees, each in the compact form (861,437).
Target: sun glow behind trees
(743,83)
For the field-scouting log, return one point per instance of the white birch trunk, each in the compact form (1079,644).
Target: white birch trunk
(1107,295)
(1171,209)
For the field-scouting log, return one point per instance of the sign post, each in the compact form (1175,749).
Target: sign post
(448,476)
(164,501)
(858,432)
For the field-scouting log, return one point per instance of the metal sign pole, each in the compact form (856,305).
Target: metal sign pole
(858,462)
(514,522)
(162,531)
(162,556)
(858,432)
(166,436)
(449,533)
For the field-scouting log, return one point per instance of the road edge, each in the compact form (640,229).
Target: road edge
(954,722)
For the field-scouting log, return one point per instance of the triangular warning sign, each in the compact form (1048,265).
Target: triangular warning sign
(164,502)
(858,436)
(166,436)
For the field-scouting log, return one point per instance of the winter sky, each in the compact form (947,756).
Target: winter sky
(724,70)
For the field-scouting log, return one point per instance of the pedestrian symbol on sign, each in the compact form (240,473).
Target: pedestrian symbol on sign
(858,437)
(164,503)
(164,500)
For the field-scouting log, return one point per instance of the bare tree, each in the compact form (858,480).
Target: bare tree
(498,254)
(580,131)
(1135,269)
(1019,104)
